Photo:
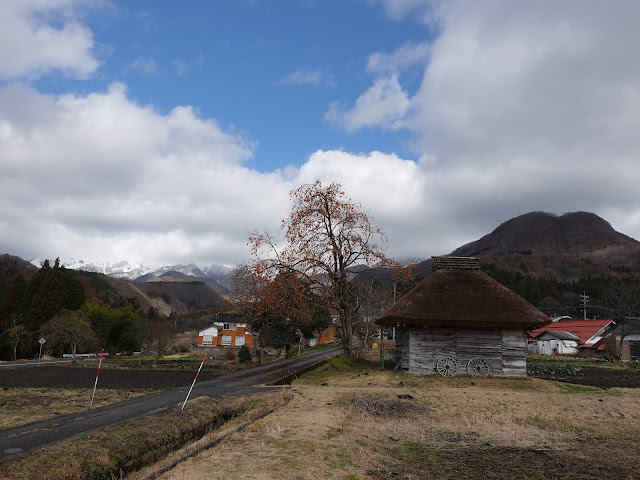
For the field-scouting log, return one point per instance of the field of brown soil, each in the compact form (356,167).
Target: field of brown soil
(79,377)
(599,377)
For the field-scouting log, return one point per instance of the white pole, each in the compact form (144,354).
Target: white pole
(42,341)
(96,383)
(194,382)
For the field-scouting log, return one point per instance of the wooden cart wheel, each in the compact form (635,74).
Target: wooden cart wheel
(477,367)
(447,366)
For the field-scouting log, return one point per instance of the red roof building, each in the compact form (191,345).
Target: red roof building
(589,332)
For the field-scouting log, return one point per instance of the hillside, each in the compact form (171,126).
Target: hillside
(175,276)
(565,247)
(10,267)
(184,294)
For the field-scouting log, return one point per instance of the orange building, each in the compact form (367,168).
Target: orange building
(320,338)
(226,332)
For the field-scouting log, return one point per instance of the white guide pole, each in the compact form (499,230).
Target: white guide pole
(194,382)
(97,375)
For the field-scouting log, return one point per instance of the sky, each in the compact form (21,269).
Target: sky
(163,132)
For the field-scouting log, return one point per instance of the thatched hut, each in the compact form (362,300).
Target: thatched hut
(459,319)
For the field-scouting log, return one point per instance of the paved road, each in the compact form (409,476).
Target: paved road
(36,435)
(32,363)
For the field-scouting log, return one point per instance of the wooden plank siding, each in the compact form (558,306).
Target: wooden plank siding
(504,350)
(402,348)
(514,353)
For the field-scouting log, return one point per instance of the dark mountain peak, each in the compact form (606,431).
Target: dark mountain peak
(570,233)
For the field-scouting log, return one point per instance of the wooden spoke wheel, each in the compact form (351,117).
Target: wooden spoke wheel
(477,367)
(447,366)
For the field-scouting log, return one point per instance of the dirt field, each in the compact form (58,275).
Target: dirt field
(599,377)
(78,377)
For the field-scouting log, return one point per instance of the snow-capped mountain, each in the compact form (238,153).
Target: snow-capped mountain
(138,272)
(123,269)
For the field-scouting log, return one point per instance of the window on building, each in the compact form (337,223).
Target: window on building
(226,340)
(239,341)
(229,326)
(207,339)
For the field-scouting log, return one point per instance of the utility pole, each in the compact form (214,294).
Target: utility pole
(584,299)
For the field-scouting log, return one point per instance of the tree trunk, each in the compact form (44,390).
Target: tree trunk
(260,344)
(346,330)
(74,347)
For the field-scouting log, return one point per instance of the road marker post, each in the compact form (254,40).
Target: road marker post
(194,382)
(96,383)
(42,341)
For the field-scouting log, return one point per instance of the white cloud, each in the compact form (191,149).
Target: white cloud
(144,65)
(308,77)
(100,176)
(38,37)
(404,57)
(383,105)
(184,67)
(522,107)
(421,9)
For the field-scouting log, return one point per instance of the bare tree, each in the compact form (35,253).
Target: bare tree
(17,333)
(162,335)
(325,235)
(623,299)
(70,327)
(371,298)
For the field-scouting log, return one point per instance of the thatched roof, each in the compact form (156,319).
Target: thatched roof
(463,297)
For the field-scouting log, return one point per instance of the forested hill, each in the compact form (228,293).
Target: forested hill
(85,309)
(566,247)
(12,267)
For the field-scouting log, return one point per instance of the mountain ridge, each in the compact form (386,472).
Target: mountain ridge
(564,247)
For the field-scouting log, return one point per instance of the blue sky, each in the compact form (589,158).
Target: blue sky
(269,69)
(162,132)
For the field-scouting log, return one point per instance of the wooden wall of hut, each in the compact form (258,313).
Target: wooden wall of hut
(419,348)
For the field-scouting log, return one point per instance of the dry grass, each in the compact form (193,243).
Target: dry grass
(353,422)
(353,425)
(21,405)
(129,446)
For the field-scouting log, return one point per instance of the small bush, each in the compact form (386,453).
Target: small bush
(230,355)
(379,407)
(245,354)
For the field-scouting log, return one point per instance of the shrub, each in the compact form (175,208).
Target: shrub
(245,354)
(552,369)
(230,355)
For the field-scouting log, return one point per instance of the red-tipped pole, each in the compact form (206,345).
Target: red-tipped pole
(97,375)
(194,382)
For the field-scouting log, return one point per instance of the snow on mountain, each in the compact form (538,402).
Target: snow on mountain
(133,271)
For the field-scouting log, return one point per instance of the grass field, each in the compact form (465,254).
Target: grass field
(352,421)
(355,422)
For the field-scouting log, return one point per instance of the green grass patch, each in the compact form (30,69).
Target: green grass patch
(338,366)
(552,368)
